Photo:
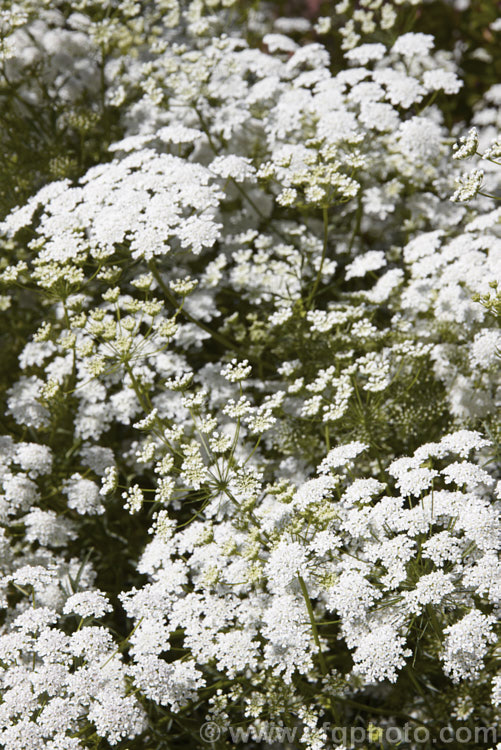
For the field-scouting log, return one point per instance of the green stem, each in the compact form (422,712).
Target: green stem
(314,629)
(142,397)
(358,221)
(325,216)
(488,195)
(122,644)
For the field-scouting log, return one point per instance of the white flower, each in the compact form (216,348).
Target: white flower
(33,458)
(341,456)
(467,145)
(286,562)
(486,349)
(366,53)
(412,44)
(47,528)
(83,495)
(430,589)
(372,260)
(88,604)
(468,474)
(237,167)
(466,644)
(468,185)
(420,139)
(447,80)
(236,371)
(380,655)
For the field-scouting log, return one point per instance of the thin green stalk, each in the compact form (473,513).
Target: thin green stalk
(488,195)
(314,629)
(122,644)
(325,216)
(358,221)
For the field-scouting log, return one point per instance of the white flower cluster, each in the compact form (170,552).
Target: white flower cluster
(250,464)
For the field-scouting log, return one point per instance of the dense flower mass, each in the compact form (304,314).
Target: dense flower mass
(249,464)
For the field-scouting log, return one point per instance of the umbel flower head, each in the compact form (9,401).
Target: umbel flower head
(249,464)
